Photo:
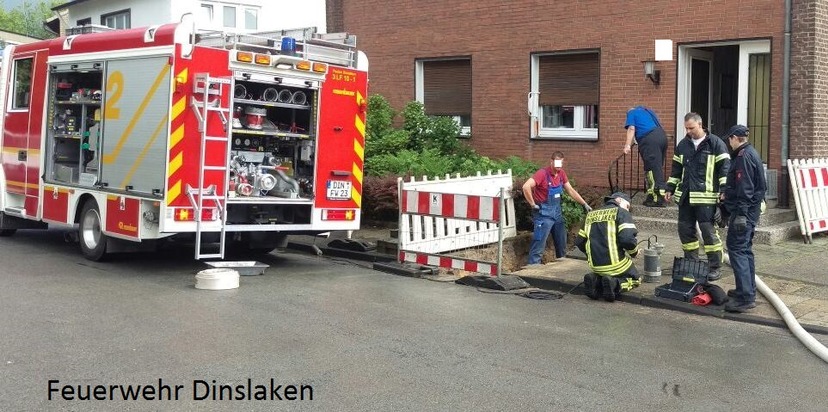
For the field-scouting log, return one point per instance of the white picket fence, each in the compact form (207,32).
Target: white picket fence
(809,180)
(444,215)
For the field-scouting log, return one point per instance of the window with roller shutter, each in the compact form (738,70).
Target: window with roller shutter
(444,87)
(567,89)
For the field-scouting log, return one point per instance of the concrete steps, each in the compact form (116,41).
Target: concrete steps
(776,225)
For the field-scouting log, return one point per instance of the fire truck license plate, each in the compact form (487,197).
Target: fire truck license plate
(339,190)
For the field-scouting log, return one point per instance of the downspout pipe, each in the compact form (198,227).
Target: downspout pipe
(786,104)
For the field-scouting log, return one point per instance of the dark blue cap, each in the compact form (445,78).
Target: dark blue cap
(738,130)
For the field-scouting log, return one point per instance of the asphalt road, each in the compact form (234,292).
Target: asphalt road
(365,340)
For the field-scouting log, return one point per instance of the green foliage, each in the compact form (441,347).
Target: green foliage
(429,146)
(431,132)
(379,122)
(573,211)
(521,168)
(27,18)
(423,145)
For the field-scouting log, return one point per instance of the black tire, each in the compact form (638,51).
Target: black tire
(90,232)
(7,232)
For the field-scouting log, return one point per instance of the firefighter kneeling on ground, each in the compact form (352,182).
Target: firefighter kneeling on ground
(609,241)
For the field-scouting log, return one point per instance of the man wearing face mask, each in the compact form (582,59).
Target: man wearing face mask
(699,173)
(543,191)
(609,241)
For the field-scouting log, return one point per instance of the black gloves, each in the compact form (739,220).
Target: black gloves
(721,216)
(739,224)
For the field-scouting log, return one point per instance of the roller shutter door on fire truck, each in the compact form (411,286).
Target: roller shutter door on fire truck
(136,119)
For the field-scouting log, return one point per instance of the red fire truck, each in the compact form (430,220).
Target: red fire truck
(228,140)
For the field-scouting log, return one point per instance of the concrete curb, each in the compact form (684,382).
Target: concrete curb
(661,303)
(560,286)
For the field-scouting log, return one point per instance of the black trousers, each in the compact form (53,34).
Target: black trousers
(703,215)
(653,149)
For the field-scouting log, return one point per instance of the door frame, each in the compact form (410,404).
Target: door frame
(745,50)
(685,64)
(685,55)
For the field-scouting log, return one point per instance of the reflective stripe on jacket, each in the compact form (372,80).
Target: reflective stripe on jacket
(700,172)
(608,239)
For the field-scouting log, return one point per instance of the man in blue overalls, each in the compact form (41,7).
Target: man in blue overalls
(544,191)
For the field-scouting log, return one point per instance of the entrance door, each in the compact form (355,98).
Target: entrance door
(758,107)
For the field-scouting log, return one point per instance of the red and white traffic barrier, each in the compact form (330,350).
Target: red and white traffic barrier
(809,179)
(443,215)
(448,262)
(484,208)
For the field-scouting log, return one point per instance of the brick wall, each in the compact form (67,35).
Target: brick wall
(809,79)
(499,37)
(333,16)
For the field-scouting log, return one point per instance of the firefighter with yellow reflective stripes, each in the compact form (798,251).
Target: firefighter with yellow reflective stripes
(700,165)
(609,241)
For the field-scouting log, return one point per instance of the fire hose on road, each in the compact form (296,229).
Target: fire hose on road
(806,338)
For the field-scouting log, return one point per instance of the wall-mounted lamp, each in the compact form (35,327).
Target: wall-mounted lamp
(651,73)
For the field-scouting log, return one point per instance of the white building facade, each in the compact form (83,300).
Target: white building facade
(232,16)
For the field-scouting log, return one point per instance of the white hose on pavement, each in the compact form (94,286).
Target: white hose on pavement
(806,338)
(809,341)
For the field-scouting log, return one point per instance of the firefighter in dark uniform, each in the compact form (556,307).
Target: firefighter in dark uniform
(743,197)
(700,164)
(609,241)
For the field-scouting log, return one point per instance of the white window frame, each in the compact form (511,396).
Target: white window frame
(12,106)
(255,12)
(115,17)
(579,132)
(224,16)
(208,11)
(419,91)
(240,10)
(465,131)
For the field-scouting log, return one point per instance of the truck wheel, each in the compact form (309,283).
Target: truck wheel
(7,232)
(90,233)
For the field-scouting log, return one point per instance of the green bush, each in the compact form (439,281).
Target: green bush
(429,146)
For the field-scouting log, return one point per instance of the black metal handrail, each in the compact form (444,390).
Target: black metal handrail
(625,173)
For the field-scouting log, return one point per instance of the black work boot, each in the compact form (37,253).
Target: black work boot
(714,274)
(592,286)
(736,306)
(611,288)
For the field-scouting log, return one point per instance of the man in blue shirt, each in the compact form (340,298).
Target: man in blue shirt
(643,125)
